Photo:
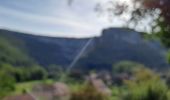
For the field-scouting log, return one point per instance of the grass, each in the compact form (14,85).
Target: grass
(20,88)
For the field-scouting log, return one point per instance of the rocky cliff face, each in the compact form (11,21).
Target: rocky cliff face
(117,45)
(114,45)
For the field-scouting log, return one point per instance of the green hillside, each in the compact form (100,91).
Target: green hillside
(11,54)
(16,65)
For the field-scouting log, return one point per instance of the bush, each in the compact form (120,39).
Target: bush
(88,92)
(125,67)
(146,85)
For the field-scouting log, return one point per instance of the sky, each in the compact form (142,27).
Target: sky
(54,17)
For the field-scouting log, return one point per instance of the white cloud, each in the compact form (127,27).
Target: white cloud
(79,20)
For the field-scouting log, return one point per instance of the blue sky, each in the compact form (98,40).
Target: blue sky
(54,17)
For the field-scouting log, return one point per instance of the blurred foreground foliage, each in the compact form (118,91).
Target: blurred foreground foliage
(88,92)
(10,75)
(146,85)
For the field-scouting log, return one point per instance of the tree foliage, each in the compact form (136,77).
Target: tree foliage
(146,85)
(126,67)
(7,83)
(88,92)
(152,16)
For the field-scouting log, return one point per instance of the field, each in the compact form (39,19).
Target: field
(27,86)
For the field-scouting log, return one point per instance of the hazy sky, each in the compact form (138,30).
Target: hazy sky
(53,17)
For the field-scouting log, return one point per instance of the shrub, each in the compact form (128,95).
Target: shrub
(146,85)
(125,67)
(88,92)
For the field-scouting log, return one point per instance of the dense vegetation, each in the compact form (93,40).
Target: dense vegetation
(129,80)
(142,84)
(16,66)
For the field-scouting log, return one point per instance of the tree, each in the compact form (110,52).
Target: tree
(126,67)
(37,73)
(161,24)
(54,71)
(152,16)
(7,84)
